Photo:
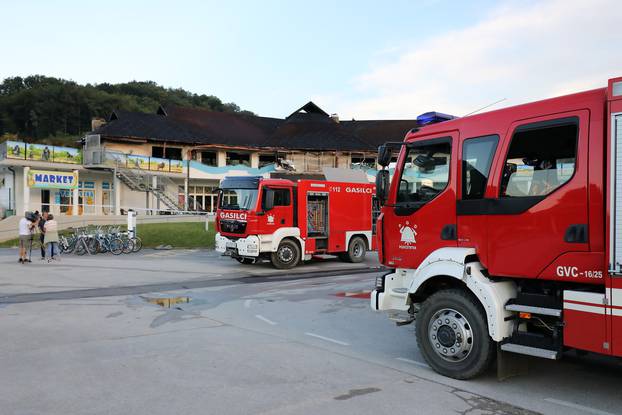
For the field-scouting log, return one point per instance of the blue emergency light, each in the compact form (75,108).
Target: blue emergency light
(433,117)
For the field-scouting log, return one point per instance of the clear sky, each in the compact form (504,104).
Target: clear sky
(361,59)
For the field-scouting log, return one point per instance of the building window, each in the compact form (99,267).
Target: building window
(209,158)
(238,159)
(541,158)
(172,153)
(266,159)
(201,198)
(477,155)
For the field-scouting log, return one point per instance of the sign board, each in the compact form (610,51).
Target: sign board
(67,155)
(41,179)
(15,150)
(177,166)
(138,162)
(39,152)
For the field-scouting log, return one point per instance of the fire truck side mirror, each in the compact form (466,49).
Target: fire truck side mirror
(382,185)
(384,155)
(268,200)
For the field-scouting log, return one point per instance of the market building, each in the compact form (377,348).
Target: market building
(172,160)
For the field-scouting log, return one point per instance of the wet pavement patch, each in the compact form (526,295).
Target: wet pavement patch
(167,302)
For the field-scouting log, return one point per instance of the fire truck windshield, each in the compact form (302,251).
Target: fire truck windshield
(425,173)
(238,199)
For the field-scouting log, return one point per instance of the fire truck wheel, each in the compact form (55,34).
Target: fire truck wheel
(287,255)
(452,334)
(246,261)
(356,250)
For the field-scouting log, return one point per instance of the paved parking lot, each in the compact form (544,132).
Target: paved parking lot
(274,343)
(146,267)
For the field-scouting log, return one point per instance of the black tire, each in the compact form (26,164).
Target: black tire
(66,246)
(102,246)
(128,246)
(93,246)
(245,261)
(116,246)
(287,255)
(459,347)
(80,248)
(357,248)
(138,244)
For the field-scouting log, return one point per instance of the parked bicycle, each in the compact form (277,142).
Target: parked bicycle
(99,239)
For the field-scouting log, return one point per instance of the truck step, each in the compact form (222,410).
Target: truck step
(531,351)
(543,311)
(402,319)
(537,300)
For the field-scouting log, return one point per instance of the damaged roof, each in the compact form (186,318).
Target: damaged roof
(308,128)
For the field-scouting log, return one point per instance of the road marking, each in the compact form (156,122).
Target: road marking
(262,318)
(577,406)
(412,362)
(247,303)
(328,339)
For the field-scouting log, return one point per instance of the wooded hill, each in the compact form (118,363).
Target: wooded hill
(56,111)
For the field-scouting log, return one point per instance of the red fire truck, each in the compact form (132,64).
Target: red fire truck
(287,222)
(504,230)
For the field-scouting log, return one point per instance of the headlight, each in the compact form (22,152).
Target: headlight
(380,282)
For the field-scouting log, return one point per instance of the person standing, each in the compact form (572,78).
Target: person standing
(42,221)
(26,228)
(51,237)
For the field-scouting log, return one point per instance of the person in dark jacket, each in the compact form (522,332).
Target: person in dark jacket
(42,220)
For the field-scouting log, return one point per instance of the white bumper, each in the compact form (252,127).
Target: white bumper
(393,296)
(248,246)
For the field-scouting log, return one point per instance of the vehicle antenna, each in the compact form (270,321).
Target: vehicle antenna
(483,108)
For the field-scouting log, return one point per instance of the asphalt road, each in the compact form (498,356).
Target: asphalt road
(280,344)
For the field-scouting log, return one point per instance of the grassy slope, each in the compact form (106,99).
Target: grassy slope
(178,235)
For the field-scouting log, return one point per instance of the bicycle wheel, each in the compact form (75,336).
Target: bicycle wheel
(81,248)
(93,246)
(69,246)
(138,244)
(116,246)
(128,246)
(102,246)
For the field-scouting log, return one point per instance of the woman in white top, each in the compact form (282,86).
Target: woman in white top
(51,237)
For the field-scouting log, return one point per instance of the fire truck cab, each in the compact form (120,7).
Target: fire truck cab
(503,231)
(287,222)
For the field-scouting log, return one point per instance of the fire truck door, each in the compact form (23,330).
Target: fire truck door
(281,215)
(423,217)
(539,208)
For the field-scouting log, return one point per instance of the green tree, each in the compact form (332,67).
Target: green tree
(58,111)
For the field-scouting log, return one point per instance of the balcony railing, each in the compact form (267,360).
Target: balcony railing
(103,157)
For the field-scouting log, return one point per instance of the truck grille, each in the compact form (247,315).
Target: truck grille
(233,226)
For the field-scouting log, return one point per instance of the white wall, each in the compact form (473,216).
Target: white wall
(6,189)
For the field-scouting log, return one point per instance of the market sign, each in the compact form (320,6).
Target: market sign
(52,179)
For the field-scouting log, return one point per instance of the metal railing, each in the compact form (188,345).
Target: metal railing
(141,180)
